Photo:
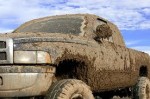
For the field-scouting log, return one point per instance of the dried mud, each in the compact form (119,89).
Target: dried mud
(103,66)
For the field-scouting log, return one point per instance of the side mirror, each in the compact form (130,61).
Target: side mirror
(103,31)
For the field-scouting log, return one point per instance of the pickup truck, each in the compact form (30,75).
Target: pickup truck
(74,56)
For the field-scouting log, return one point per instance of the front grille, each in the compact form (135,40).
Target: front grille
(3,56)
(6,51)
(2,44)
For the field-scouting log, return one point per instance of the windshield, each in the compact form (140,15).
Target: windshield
(57,25)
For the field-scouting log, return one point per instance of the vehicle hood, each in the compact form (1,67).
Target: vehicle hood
(55,44)
(46,37)
(31,34)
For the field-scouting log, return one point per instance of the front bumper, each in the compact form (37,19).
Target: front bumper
(20,81)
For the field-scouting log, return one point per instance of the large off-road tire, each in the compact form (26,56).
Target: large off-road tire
(142,89)
(69,89)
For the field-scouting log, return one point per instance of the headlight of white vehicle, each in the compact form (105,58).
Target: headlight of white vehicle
(31,57)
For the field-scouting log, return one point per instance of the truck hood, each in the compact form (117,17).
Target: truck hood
(40,34)
(42,42)
(46,37)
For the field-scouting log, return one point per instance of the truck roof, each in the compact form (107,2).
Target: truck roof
(61,16)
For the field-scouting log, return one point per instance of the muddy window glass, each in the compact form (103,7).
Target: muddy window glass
(57,25)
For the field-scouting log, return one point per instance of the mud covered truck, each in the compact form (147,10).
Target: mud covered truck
(74,56)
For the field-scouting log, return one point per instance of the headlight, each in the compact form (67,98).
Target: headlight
(31,57)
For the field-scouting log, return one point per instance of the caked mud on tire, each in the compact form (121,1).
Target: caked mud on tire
(69,89)
(142,89)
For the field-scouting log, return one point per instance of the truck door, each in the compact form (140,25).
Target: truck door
(114,62)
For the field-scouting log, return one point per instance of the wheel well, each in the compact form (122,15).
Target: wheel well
(69,68)
(143,71)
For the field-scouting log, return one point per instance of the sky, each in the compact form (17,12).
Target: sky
(131,16)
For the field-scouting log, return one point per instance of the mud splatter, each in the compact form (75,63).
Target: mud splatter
(103,66)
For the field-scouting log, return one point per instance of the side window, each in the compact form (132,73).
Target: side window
(102,31)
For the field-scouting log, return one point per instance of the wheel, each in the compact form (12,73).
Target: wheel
(142,89)
(69,89)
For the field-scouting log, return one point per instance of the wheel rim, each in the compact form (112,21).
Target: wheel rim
(77,96)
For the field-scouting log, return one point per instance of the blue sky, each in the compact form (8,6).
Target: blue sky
(132,17)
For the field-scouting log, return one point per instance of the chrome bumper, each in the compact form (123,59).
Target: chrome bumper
(25,84)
